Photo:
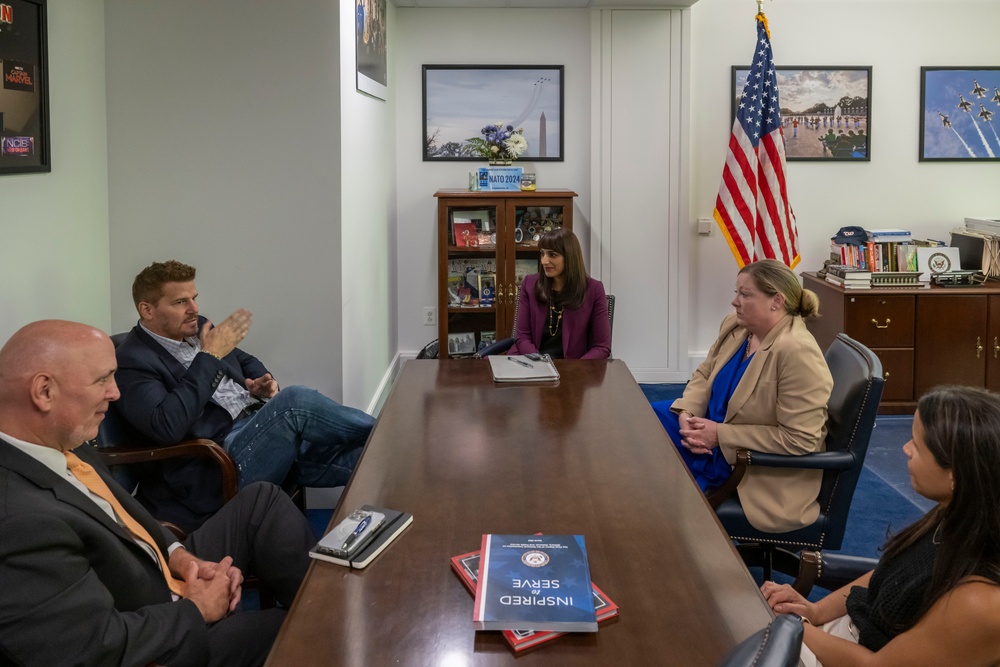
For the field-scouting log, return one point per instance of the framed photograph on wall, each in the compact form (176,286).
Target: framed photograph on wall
(958,113)
(825,111)
(24,95)
(369,47)
(459,100)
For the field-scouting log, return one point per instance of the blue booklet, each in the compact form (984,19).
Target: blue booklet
(534,582)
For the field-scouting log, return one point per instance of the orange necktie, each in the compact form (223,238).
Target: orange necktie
(88,476)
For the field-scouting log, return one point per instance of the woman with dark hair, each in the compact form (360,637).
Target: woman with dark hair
(933,599)
(764,386)
(562,311)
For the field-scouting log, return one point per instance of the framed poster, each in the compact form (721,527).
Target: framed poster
(24,95)
(825,111)
(369,47)
(957,106)
(460,100)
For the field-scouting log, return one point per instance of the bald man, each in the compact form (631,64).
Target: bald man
(77,584)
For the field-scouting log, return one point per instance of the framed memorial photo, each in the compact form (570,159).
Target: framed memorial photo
(825,111)
(459,100)
(24,95)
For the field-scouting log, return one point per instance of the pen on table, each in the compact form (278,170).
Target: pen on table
(523,363)
(357,531)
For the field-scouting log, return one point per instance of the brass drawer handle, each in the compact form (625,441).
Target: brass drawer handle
(885,377)
(979,346)
(881,326)
(996,348)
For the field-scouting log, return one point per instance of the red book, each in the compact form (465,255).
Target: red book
(466,566)
(464,231)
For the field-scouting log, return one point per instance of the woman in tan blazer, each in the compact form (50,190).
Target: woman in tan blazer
(764,387)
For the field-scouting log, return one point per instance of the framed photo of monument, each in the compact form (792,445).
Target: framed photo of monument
(825,111)
(459,100)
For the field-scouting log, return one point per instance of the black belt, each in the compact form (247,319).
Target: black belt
(249,410)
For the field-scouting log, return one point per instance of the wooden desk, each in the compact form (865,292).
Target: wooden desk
(468,457)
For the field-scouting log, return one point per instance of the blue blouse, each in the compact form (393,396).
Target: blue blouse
(709,470)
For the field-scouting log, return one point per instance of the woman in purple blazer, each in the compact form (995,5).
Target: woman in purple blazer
(562,311)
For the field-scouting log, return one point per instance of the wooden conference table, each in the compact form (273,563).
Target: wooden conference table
(466,456)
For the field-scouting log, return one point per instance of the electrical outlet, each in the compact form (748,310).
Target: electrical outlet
(430,316)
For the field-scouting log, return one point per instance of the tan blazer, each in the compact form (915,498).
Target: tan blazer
(779,407)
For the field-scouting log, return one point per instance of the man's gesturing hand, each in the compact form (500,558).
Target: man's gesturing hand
(222,339)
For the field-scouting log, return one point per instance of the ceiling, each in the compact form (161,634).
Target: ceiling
(546,4)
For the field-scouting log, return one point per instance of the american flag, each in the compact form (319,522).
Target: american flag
(752,208)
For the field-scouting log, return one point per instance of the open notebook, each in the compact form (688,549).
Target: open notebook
(521,368)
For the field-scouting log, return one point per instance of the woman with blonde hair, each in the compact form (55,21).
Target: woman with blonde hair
(764,386)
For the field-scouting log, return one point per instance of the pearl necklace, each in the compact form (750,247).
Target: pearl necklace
(557,316)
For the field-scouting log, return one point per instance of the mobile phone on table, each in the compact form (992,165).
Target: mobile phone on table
(352,534)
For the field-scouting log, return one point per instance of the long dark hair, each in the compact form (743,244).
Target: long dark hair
(564,242)
(962,433)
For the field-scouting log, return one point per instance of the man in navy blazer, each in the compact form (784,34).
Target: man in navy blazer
(181,378)
(78,586)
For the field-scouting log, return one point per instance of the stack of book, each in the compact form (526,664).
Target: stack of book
(848,277)
(515,601)
(886,250)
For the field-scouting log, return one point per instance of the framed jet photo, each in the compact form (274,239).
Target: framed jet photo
(959,109)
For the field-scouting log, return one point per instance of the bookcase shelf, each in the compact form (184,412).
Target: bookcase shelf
(490,215)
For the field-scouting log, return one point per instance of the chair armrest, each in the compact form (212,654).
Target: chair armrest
(777,645)
(496,347)
(816,461)
(829,570)
(746,458)
(717,495)
(198,448)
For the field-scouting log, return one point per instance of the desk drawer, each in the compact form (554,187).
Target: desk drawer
(897,369)
(880,321)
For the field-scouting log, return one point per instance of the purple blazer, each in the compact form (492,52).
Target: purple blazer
(586,332)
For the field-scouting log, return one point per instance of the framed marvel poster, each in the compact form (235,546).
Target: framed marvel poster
(24,95)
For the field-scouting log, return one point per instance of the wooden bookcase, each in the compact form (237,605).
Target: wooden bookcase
(924,337)
(505,226)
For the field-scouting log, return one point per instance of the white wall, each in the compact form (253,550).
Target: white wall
(457,36)
(224,152)
(895,37)
(54,252)
(368,225)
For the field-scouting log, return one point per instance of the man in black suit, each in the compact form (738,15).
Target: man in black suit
(78,585)
(183,378)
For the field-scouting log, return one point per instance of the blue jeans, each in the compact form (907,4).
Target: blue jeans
(299,429)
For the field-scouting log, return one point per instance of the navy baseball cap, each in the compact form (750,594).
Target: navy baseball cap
(851,236)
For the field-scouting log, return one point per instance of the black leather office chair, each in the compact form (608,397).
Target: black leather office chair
(501,346)
(857,389)
(777,645)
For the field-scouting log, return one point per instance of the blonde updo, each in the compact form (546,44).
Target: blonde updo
(772,277)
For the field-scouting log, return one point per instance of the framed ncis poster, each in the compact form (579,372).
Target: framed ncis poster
(24,94)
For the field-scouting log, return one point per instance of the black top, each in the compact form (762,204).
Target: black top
(895,595)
